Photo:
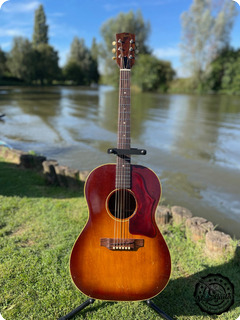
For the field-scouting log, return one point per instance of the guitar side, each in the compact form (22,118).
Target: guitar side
(121,275)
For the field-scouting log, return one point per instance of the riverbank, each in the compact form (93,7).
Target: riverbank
(39,224)
(197,228)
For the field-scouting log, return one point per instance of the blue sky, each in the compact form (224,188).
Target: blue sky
(70,18)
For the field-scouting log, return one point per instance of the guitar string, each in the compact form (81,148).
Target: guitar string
(129,144)
(125,158)
(117,194)
(123,171)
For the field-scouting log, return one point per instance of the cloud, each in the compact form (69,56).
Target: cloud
(110,6)
(120,5)
(12,32)
(21,7)
(168,52)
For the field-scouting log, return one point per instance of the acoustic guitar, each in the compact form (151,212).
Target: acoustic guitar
(121,255)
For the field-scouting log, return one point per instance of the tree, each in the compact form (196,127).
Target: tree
(125,22)
(3,60)
(93,70)
(46,63)
(21,60)
(151,74)
(205,32)
(81,60)
(40,34)
(224,72)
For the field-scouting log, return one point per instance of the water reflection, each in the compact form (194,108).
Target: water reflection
(192,141)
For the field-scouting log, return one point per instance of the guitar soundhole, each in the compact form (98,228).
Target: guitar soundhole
(121,204)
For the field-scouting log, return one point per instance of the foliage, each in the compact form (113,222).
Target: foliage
(182,85)
(130,22)
(205,31)
(224,72)
(33,63)
(72,71)
(37,61)
(81,67)
(21,60)
(126,22)
(3,60)
(46,65)
(39,225)
(40,34)
(150,73)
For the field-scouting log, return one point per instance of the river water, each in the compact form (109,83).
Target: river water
(192,141)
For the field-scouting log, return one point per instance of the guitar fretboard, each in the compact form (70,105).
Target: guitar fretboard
(123,168)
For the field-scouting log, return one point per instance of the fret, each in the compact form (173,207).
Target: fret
(123,167)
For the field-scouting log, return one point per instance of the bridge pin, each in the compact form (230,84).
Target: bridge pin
(113,248)
(129,248)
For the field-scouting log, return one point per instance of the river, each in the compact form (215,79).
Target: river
(192,141)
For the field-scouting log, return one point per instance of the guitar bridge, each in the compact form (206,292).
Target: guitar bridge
(122,244)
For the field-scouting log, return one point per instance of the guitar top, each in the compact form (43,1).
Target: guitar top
(120,255)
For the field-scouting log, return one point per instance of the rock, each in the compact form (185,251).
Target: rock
(12,155)
(237,253)
(61,177)
(180,214)
(83,175)
(49,171)
(72,177)
(163,215)
(29,161)
(196,228)
(217,243)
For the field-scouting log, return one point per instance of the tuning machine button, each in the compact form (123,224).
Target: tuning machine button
(114,43)
(113,50)
(114,58)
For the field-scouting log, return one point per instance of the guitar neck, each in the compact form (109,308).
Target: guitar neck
(123,168)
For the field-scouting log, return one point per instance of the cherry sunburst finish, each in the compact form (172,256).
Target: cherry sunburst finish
(121,255)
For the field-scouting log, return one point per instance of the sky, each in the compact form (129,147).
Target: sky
(70,18)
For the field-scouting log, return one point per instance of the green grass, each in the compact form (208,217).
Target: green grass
(38,227)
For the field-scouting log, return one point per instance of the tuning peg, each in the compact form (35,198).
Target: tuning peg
(113,58)
(113,50)
(136,51)
(114,43)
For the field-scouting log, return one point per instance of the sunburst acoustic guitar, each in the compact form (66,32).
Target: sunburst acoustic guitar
(121,255)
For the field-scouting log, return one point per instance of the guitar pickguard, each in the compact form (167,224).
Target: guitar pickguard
(141,223)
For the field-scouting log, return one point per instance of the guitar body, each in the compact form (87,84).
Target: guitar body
(137,268)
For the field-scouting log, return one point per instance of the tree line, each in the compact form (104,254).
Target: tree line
(211,64)
(37,62)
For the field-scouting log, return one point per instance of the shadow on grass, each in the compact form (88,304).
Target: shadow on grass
(178,297)
(15,181)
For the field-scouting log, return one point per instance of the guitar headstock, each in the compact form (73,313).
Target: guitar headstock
(125,50)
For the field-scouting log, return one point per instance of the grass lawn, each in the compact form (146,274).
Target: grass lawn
(38,227)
